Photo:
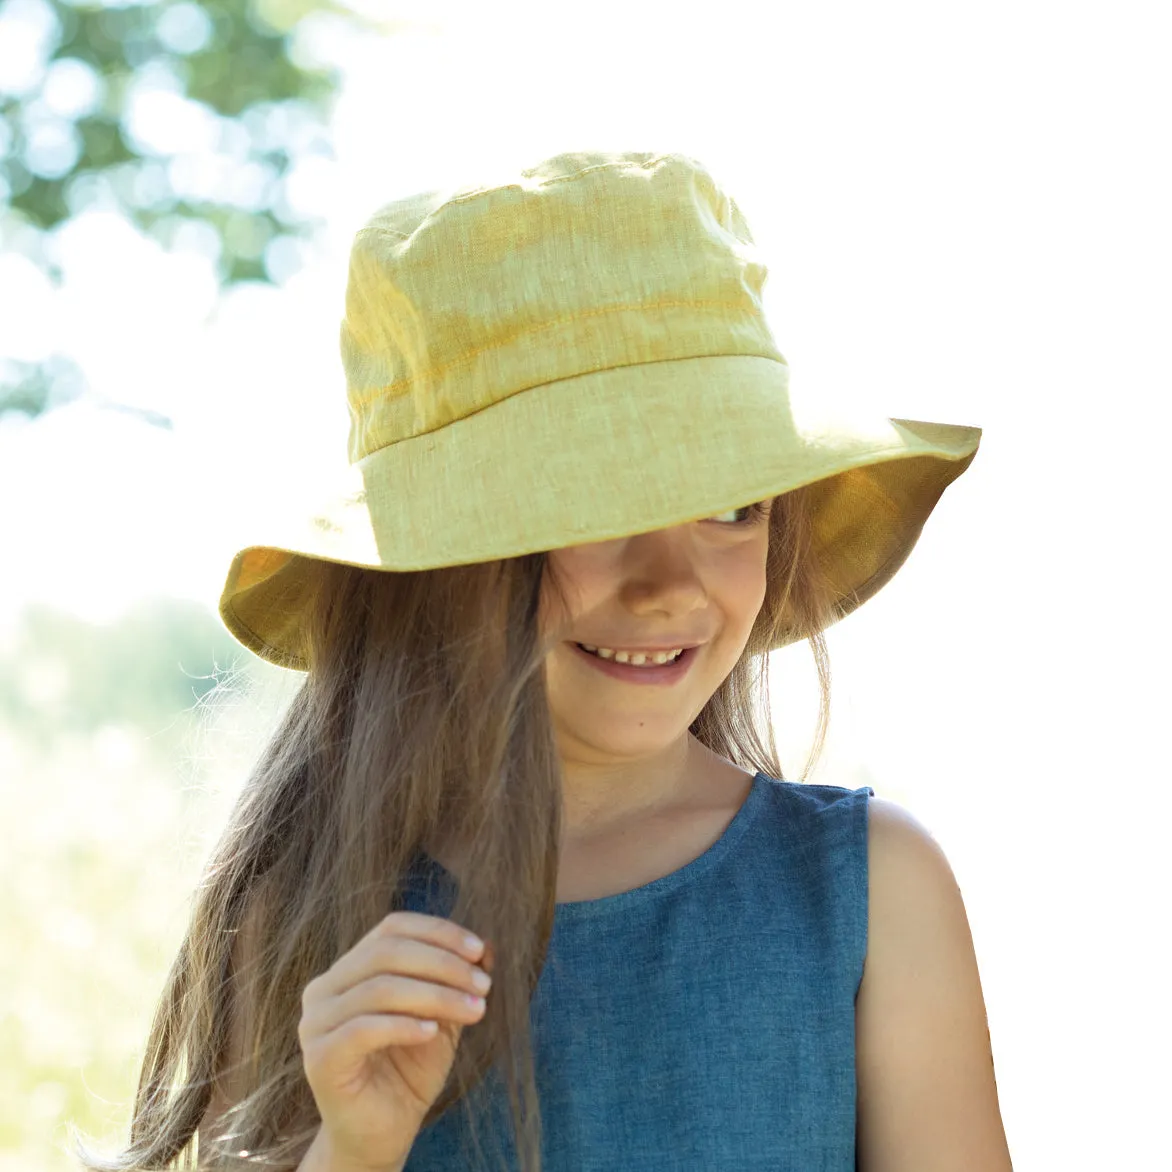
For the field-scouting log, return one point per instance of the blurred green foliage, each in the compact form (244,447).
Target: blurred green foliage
(148,672)
(122,747)
(186,116)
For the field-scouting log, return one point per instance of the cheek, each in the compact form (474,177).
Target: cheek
(758,591)
(742,603)
(744,585)
(581,580)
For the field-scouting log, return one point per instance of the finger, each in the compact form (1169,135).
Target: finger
(355,1039)
(396,957)
(382,942)
(393,994)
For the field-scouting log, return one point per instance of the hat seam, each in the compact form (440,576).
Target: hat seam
(361,399)
(555,179)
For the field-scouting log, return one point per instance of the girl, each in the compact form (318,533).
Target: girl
(532,754)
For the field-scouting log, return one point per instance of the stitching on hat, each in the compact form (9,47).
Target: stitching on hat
(557,178)
(614,163)
(467,356)
(382,230)
(468,195)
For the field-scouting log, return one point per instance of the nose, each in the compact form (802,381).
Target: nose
(661,572)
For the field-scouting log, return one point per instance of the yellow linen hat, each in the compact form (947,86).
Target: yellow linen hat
(577,353)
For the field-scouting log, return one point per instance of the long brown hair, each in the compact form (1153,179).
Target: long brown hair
(422,718)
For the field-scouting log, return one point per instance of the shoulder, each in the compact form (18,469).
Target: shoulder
(927,1094)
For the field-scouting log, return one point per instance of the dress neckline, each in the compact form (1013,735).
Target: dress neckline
(656,888)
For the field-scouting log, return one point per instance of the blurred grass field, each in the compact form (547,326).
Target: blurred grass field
(121,750)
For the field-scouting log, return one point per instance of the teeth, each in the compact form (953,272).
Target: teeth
(636,658)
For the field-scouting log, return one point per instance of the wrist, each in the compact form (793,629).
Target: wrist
(322,1156)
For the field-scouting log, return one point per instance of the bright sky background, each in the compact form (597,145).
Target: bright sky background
(965,210)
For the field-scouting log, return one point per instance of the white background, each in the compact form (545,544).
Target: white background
(965,211)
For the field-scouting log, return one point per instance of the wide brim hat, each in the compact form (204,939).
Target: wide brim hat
(574,353)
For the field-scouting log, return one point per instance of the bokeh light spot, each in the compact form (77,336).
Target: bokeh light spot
(184,28)
(51,148)
(72,88)
(284,258)
(29,30)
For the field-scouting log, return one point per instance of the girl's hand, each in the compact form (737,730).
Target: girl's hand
(373,1069)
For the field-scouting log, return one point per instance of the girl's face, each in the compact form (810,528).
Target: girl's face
(699,583)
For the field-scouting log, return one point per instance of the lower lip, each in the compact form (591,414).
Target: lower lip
(667,673)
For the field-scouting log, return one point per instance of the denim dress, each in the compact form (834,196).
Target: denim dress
(704,1022)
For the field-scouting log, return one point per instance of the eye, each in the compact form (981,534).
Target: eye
(752,514)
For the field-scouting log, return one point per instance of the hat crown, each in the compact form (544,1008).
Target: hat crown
(588,261)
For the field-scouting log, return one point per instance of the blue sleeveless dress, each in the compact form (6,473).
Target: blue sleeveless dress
(704,1022)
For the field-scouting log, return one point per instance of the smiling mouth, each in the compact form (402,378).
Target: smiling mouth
(633,658)
(646,673)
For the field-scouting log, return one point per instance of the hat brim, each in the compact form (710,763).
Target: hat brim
(603,455)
